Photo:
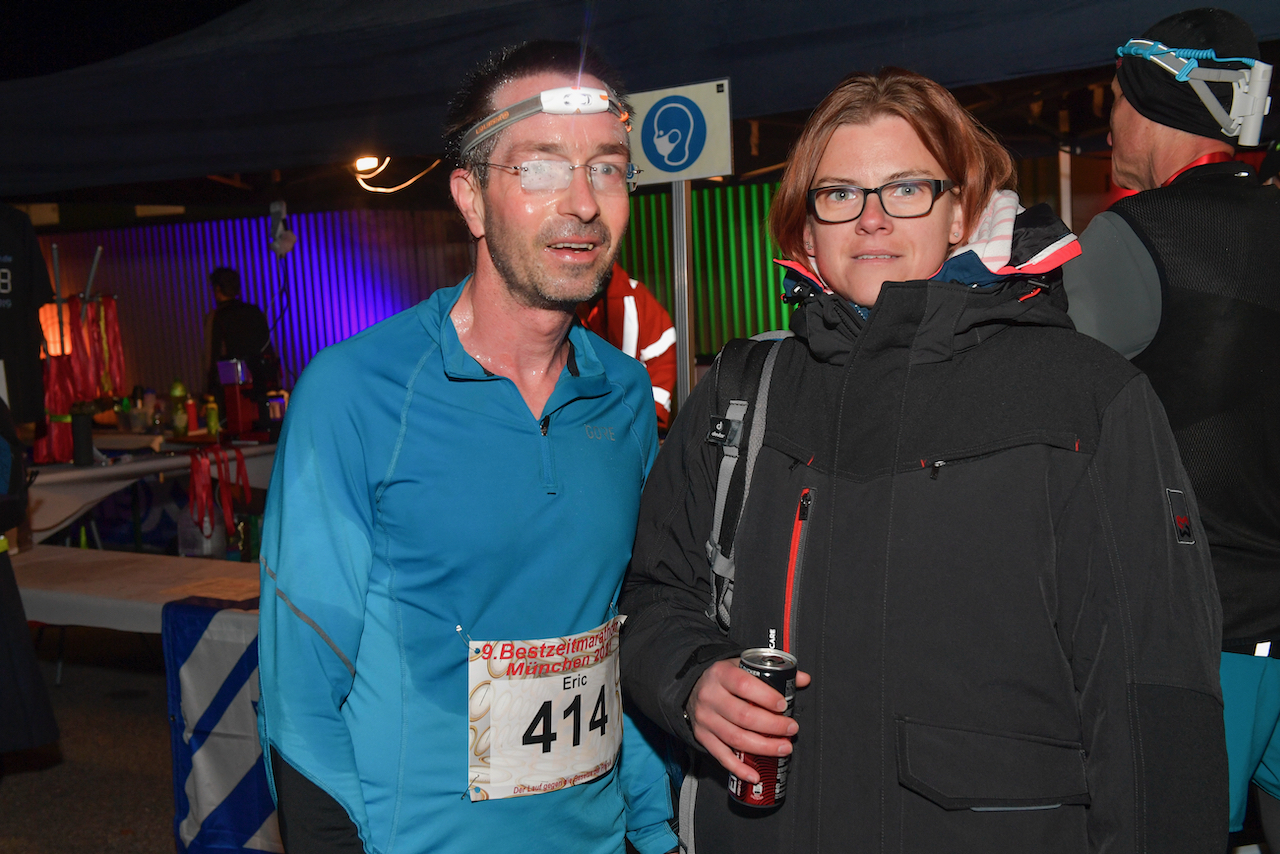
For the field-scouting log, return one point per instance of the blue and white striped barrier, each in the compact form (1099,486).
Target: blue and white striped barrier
(220,792)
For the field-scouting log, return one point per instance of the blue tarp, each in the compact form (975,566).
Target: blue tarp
(276,84)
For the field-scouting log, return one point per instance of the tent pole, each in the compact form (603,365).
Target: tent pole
(57,297)
(1064,167)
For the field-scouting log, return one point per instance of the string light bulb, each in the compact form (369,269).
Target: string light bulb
(369,166)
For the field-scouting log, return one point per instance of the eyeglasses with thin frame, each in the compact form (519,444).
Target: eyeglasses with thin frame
(540,176)
(907,199)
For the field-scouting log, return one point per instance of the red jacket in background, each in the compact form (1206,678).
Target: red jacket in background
(629,317)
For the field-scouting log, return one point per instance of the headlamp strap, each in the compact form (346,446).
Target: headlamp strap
(1249,99)
(567,100)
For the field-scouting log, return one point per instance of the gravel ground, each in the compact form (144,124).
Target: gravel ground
(106,786)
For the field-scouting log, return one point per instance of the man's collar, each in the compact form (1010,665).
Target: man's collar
(1204,160)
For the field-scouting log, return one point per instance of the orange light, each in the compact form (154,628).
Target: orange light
(57,345)
(367,163)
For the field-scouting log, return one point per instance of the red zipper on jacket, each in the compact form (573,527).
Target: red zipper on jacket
(795,560)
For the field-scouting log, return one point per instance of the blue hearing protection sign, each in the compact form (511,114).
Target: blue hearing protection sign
(682,133)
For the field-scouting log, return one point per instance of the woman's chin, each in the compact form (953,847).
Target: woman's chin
(863,293)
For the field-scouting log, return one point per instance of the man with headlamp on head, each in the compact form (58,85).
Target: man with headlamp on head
(1182,278)
(452,507)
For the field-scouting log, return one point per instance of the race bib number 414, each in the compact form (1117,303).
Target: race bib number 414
(544,714)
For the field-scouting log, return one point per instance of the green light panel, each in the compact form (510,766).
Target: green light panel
(736,288)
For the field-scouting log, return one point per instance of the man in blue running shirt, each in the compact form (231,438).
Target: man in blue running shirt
(452,508)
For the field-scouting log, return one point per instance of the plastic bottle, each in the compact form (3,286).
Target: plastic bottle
(123,417)
(211,416)
(178,407)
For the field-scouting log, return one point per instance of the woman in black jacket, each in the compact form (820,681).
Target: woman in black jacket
(967,521)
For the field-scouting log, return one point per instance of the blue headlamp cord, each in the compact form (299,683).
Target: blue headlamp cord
(1249,102)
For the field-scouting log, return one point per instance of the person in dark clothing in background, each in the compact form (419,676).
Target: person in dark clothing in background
(239,330)
(24,287)
(1182,279)
(26,716)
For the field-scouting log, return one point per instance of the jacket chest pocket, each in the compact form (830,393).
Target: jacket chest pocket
(936,462)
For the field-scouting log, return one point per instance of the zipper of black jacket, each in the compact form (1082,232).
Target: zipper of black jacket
(795,566)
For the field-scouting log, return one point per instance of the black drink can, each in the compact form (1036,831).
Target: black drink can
(778,670)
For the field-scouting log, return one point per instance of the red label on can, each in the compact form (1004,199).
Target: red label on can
(772,788)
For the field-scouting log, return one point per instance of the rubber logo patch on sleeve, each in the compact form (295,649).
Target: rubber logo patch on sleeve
(1181,515)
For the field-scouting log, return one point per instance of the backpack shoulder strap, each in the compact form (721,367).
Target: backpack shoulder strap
(743,373)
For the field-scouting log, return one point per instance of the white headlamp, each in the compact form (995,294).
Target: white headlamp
(565,101)
(1249,87)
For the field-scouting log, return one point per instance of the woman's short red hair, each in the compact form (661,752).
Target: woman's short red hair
(968,152)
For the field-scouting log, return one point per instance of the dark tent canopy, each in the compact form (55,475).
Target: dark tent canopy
(276,84)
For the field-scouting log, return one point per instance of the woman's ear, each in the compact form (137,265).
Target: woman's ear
(957,222)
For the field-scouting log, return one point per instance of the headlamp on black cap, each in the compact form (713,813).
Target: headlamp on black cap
(564,101)
(1249,87)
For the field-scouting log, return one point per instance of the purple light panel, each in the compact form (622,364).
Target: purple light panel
(349,270)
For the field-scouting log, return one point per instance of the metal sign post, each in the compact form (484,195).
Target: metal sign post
(684,134)
(682,239)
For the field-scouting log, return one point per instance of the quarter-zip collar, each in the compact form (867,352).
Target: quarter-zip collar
(583,375)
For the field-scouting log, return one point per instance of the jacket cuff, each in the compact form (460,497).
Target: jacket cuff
(654,839)
(686,677)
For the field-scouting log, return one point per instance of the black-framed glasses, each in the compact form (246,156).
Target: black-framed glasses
(908,199)
(539,176)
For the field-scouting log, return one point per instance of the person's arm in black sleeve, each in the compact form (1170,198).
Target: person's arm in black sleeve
(668,640)
(311,821)
(1142,625)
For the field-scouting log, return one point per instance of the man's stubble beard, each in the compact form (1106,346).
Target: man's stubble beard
(532,286)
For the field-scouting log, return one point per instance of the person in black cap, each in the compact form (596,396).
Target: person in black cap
(1182,279)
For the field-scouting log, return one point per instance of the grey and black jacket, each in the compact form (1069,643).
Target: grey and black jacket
(971,526)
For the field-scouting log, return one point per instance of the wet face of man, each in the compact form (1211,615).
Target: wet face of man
(554,249)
